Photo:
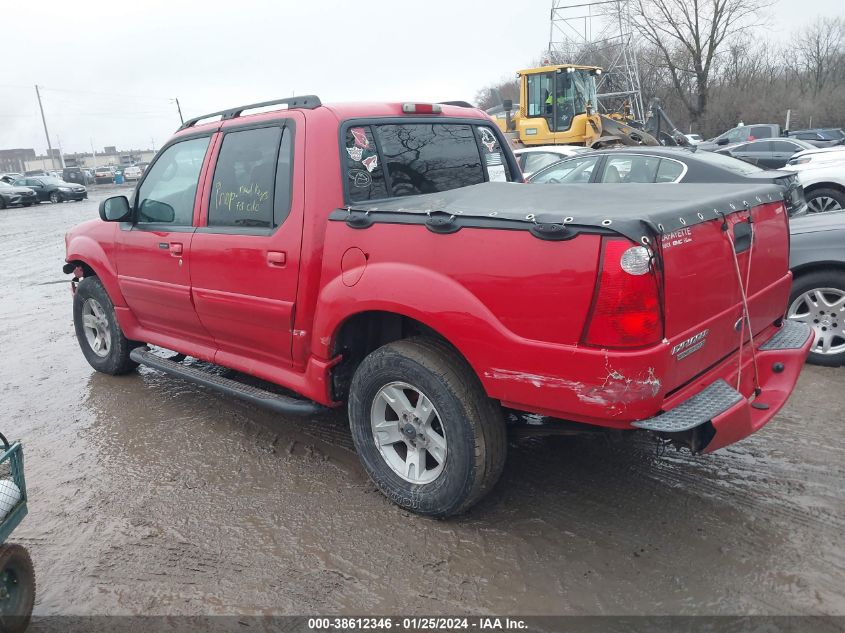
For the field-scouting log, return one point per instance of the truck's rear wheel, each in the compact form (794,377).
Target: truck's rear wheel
(102,341)
(426,432)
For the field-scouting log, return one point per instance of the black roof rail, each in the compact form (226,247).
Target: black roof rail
(305,102)
(460,104)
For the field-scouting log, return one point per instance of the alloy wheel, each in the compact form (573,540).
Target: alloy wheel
(823,204)
(408,433)
(96,327)
(823,309)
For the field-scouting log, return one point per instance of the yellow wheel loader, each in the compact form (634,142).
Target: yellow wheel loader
(557,106)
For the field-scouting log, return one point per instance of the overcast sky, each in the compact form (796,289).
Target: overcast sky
(109,70)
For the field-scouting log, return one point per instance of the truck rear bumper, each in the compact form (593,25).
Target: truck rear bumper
(719,415)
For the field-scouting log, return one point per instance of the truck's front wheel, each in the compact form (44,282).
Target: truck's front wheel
(426,432)
(102,341)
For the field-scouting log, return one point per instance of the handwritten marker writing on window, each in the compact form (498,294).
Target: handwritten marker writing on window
(247,199)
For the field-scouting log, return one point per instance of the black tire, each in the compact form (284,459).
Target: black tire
(117,360)
(28,204)
(472,423)
(832,279)
(56,197)
(19,574)
(2,203)
(832,194)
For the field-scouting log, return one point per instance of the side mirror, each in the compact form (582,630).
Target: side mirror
(721,141)
(507,104)
(115,209)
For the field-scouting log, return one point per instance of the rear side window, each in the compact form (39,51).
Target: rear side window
(669,171)
(761,131)
(251,186)
(393,160)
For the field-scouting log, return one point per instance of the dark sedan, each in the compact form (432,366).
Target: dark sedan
(667,165)
(767,153)
(53,189)
(821,137)
(817,259)
(11,195)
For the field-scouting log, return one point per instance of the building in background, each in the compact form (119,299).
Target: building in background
(21,160)
(15,160)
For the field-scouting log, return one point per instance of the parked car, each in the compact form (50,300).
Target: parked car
(531,159)
(821,137)
(742,134)
(767,153)
(77,175)
(36,172)
(103,175)
(132,173)
(427,292)
(53,189)
(667,165)
(11,195)
(694,139)
(817,258)
(819,155)
(822,174)
(10,177)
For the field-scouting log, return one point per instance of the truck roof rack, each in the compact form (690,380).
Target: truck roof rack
(305,102)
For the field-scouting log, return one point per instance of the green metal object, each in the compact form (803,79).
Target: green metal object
(11,467)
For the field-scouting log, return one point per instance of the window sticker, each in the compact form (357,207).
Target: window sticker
(495,167)
(360,136)
(355,153)
(371,162)
(360,178)
(487,138)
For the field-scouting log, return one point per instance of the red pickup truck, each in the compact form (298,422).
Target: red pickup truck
(382,256)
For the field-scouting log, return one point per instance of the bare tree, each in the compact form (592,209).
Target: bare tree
(690,34)
(819,52)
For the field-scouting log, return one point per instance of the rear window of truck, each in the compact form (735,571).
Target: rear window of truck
(403,159)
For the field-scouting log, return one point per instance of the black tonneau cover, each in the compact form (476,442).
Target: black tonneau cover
(636,211)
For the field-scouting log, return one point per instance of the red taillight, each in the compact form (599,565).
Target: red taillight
(626,309)
(421,108)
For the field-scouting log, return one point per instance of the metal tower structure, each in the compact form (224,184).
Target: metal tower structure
(599,33)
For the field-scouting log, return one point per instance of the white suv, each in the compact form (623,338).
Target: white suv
(822,174)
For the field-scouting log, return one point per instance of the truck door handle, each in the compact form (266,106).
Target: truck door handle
(276,258)
(176,249)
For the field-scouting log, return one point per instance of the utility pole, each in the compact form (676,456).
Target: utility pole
(46,133)
(178,107)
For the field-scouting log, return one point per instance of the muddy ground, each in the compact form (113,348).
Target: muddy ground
(150,495)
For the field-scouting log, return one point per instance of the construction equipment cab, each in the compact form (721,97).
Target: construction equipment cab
(379,256)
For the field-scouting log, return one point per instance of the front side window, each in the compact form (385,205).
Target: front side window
(535,161)
(252,168)
(167,194)
(737,135)
(637,169)
(765,146)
